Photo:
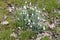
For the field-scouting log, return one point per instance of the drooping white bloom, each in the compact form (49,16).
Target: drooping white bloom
(25,1)
(32,8)
(43,28)
(38,17)
(39,11)
(28,23)
(25,19)
(29,20)
(30,3)
(31,26)
(24,7)
(35,7)
(32,14)
(43,8)
(33,22)
(19,27)
(18,19)
(27,15)
(13,7)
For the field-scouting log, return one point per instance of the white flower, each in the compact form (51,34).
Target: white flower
(32,14)
(19,27)
(27,15)
(31,8)
(33,22)
(43,28)
(30,3)
(43,8)
(25,19)
(24,7)
(18,19)
(39,11)
(25,1)
(12,7)
(4,22)
(28,23)
(31,26)
(38,17)
(35,7)
(29,20)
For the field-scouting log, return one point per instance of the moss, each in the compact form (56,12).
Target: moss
(45,38)
(26,35)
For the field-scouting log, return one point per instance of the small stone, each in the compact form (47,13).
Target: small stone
(4,22)
(10,9)
(13,35)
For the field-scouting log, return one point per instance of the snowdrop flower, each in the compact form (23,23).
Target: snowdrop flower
(27,15)
(36,10)
(31,26)
(25,12)
(39,11)
(25,1)
(55,11)
(12,7)
(33,22)
(28,23)
(19,27)
(24,7)
(30,3)
(43,28)
(29,20)
(35,7)
(25,19)
(38,17)
(59,12)
(31,8)
(18,19)
(43,8)
(32,14)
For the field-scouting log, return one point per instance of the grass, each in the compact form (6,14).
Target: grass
(50,5)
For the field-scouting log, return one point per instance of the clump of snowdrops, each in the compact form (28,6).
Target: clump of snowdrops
(29,17)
